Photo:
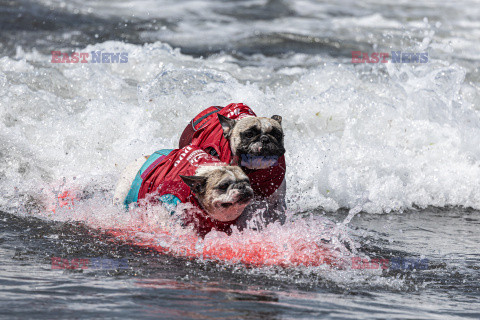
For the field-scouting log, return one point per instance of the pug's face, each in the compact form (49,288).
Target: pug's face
(223,191)
(254,136)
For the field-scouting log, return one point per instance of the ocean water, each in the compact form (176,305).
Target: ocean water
(388,153)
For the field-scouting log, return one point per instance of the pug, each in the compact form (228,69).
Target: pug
(257,143)
(216,192)
(222,191)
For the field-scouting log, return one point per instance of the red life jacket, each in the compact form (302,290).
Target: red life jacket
(163,178)
(205,131)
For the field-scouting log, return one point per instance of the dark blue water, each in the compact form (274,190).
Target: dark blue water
(157,286)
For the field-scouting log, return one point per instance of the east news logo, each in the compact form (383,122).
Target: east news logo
(396,57)
(96,57)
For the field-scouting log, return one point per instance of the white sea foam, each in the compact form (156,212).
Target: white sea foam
(411,137)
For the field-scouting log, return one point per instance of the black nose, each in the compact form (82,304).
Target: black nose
(264,139)
(241,186)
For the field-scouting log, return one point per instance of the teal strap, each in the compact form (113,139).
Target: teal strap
(132,195)
(170,202)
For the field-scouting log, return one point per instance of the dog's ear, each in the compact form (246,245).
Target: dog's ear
(227,125)
(197,184)
(277,118)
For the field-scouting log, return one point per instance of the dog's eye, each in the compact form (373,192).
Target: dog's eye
(223,186)
(252,132)
(277,134)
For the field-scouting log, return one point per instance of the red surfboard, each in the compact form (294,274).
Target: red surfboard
(257,249)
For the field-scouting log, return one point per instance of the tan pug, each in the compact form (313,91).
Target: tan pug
(254,138)
(222,191)
(258,143)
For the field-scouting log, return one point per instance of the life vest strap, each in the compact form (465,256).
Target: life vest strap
(205,116)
